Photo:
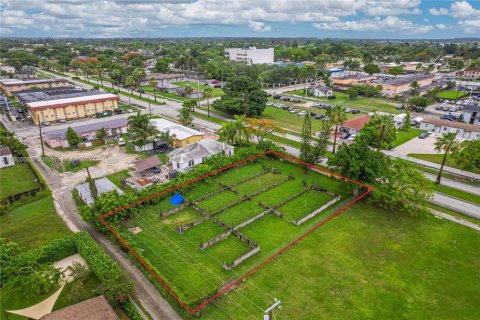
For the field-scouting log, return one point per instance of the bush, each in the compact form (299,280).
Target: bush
(131,311)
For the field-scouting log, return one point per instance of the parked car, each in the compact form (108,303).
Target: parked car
(302,113)
(400,107)
(293,111)
(277,96)
(448,118)
(45,123)
(141,90)
(312,114)
(445,108)
(352,137)
(331,97)
(423,135)
(269,103)
(121,141)
(348,110)
(319,116)
(344,135)
(217,85)
(62,120)
(355,111)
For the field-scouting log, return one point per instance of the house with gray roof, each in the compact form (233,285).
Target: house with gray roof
(103,185)
(185,158)
(114,128)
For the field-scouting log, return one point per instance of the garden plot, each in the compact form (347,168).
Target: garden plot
(230,223)
(304,204)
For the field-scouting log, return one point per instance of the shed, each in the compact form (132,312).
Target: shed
(6,157)
(103,185)
(148,163)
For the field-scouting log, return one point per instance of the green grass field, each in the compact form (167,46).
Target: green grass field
(33,224)
(451,94)
(362,103)
(195,274)
(304,204)
(11,184)
(437,158)
(404,136)
(367,263)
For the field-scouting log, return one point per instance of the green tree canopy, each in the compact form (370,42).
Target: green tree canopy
(379,132)
(72,137)
(469,155)
(242,95)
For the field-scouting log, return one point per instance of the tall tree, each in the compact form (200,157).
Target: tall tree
(185,114)
(72,137)
(208,94)
(337,116)
(141,131)
(261,128)
(447,143)
(371,68)
(235,132)
(153,83)
(130,82)
(396,71)
(379,132)
(188,89)
(242,95)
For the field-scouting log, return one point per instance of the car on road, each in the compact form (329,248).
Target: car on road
(344,135)
(423,135)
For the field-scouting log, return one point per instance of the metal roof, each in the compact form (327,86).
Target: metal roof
(87,128)
(103,185)
(180,132)
(196,150)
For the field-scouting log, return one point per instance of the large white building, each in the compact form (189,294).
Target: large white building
(251,55)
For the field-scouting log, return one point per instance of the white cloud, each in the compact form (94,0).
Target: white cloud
(463,9)
(441,26)
(388,24)
(389,8)
(258,26)
(438,12)
(470,26)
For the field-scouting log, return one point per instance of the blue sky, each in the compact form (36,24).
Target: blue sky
(385,19)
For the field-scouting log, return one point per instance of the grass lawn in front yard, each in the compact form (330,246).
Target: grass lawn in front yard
(451,94)
(368,263)
(216,92)
(437,158)
(16,179)
(404,136)
(33,224)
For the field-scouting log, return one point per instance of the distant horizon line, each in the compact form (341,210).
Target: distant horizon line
(233,37)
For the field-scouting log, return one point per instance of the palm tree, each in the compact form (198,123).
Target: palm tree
(190,103)
(185,114)
(116,76)
(337,116)
(75,65)
(138,75)
(99,69)
(188,89)
(140,129)
(153,83)
(395,71)
(130,82)
(448,144)
(208,93)
(235,132)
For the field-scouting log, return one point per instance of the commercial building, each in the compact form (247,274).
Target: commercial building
(463,130)
(470,73)
(187,157)
(344,82)
(72,108)
(164,78)
(251,55)
(399,85)
(10,86)
(113,128)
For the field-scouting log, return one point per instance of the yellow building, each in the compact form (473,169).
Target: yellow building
(10,86)
(183,135)
(72,108)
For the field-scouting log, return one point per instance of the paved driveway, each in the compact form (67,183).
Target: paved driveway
(417,145)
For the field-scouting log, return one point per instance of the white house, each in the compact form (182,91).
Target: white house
(251,55)
(471,114)
(6,157)
(187,157)
(463,130)
(399,120)
(103,185)
(321,91)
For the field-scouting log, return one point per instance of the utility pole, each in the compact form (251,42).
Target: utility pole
(198,92)
(41,137)
(268,314)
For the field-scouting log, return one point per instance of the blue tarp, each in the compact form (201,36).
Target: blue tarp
(177,199)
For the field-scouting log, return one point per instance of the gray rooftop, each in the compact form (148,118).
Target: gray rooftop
(87,128)
(203,148)
(103,185)
(61,93)
(471,107)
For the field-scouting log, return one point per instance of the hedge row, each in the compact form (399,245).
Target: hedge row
(116,283)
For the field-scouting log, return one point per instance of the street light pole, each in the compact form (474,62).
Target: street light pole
(41,137)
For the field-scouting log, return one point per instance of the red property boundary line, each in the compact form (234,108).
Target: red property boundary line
(291,244)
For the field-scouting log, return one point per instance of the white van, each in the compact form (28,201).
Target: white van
(121,141)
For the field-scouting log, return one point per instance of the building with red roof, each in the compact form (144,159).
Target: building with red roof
(354,125)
